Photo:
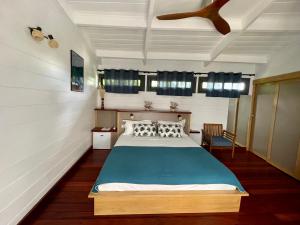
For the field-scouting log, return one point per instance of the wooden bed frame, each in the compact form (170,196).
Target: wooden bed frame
(163,202)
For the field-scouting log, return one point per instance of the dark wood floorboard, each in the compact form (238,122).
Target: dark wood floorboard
(274,197)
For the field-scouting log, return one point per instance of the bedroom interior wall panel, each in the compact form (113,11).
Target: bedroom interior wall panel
(44,127)
(204,109)
(231,118)
(284,61)
(243,120)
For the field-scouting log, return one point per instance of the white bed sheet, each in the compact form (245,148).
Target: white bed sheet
(186,141)
(130,140)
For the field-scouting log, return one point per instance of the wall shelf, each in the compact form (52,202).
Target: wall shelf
(142,110)
(100,129)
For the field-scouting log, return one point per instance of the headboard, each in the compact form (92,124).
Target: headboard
(154,116)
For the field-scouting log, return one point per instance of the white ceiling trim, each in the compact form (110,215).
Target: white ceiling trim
(67,9)
(151,6)
(246,22)
(109,20)
(129,29)
(257,59)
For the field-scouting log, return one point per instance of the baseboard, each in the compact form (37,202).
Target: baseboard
(55,184)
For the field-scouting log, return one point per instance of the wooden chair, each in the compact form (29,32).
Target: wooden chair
(217,138)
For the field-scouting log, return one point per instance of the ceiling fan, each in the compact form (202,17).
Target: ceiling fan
(210,12)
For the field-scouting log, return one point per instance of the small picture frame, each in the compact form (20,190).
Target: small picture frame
(77,72)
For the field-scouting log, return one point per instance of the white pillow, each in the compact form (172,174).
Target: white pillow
(128,125)
(181,122)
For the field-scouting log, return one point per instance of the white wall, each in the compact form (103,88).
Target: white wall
(44,127)
(170,65)
(284,61)
(204,109)
(243,120)
(231,114)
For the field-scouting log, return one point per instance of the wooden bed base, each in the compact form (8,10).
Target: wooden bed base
(165,202)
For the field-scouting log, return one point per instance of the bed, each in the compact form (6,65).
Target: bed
(153,175)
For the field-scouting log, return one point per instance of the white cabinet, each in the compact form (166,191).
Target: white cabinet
(102,140)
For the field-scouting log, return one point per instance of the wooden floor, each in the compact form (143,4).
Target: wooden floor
(274,197)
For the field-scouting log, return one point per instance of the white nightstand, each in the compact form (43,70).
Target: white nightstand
(103,139)
(196,136)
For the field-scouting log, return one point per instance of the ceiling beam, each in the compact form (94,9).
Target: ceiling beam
(246,22)
(96,19)
(229,58)
(151,6)
(119,54)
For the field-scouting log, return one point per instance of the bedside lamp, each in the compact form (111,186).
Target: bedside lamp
(179,117)
(131,116)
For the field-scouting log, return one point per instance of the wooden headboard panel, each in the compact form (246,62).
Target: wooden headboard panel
(154,116)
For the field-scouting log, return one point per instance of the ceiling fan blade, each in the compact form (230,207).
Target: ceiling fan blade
(212,8)
(177,16)
(210,12)
(220,24)
(219,3)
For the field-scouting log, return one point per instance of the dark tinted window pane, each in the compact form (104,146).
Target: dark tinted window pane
(202,81)
(246,82)
(151,83)
(141,81)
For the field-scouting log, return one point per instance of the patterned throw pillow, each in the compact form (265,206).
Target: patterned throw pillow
(144,130)
(169,130)
(181,122)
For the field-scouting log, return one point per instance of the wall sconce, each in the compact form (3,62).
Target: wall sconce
(38,35)
(179,117)
(52,42)
(131,116)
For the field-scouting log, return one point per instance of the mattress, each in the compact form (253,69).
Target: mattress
(162,164)
(130,140)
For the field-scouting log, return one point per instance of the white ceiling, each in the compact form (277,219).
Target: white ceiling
(129,29)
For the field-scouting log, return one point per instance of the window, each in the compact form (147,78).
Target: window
(140,83)
(243,86)
(202,84)
(152,84)
(175,83)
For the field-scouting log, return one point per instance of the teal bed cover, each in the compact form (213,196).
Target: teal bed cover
(164,166)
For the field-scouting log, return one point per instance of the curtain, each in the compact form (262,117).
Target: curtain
(175,83)
(225,85)
(121,81)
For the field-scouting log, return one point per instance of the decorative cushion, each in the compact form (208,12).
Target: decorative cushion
(169,130)
(220,141)
(144,130)
(128,125)
(181,122)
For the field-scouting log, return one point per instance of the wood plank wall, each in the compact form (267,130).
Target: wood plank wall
(44,127)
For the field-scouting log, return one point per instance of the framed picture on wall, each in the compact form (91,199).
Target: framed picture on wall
(77,72)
